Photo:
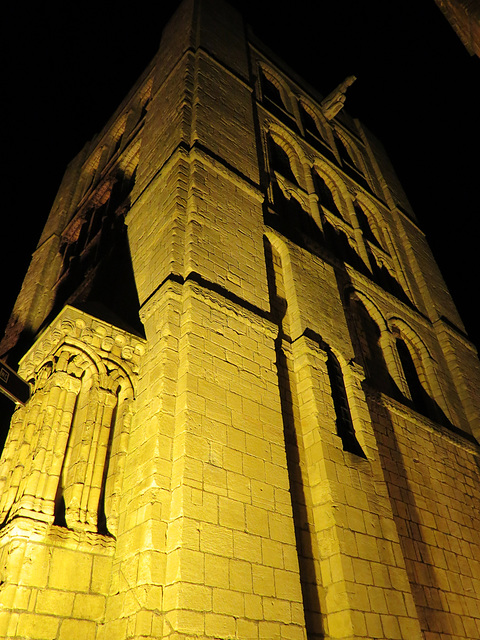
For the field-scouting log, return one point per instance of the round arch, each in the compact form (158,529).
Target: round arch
(380,230)
(335,183)
(274,78)
(319,119)
(380,358)
(351,149)
(428,396)
(290,290)
(290,146)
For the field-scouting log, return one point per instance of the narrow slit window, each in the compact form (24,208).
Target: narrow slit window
(345,428)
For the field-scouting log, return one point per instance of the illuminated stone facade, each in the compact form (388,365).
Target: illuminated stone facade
(254,407)
(464,16)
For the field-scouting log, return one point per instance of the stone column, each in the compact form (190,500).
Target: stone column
(33,482)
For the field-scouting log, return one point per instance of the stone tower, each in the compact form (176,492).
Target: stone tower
(254,408)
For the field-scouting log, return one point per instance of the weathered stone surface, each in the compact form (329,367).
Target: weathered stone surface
(253,406)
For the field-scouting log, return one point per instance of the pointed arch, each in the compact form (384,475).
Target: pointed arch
(421,356)
(352,162)
(399,326)
(288,190)
(336,214)
(381,253)
(349,153)
(370,305)
(145,95)
(419,372)
(129,161)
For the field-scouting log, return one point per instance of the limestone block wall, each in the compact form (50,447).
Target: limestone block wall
(206,544)
(352,569)
(432,479)
(230,483)
(61,478)
(237,473)
(224,232)
(223,116)
(168,118)
(156,228)
(462,359)
(55,582)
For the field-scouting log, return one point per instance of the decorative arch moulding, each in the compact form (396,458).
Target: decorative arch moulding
(108,341)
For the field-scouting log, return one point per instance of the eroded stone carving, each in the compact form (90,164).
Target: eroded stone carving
(335,100)
(63,460)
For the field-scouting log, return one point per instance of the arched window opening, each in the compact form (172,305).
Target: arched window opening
(97,270)
(146,99)
(382,275)
(344,423)
(339,243)
(308,122)
(314,134)
(270,91)
(290,202)
(117,135)
(419,396)
(349,163)
(365,226)
(273,100)
(80,496)
(94,234)
(91,171)
(280,161)
(325,195)
(294,221)
(99,217)
(366,336)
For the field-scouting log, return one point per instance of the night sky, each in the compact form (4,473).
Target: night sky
(417,90)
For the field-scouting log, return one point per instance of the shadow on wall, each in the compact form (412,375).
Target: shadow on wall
(423,558)
(366,339)
(428,581)
(97,274)
(309,575)
(15,346)
(7,407)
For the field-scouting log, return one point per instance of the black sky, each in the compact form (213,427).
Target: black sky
(65,72)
